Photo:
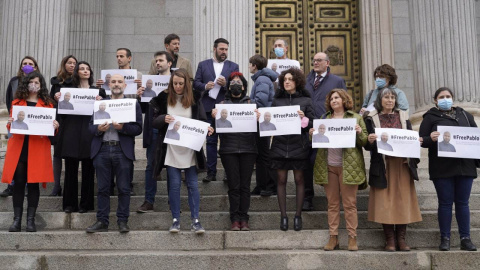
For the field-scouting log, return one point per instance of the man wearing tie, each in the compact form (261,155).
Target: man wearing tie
(212,74)
(319,83)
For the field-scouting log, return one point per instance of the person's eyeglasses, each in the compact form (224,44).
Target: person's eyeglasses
(236,82)
(318,60)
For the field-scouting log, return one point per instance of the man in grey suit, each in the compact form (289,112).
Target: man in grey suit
(172,45)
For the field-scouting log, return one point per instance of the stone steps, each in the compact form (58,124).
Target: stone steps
(213,220)
(239,259)
(219,203)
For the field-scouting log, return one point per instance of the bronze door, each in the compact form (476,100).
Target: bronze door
(311,26)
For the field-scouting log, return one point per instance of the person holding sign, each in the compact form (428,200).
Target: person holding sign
(452,177)
(238,152)
(113,153)
(28,158)
(392,199)
(290,152)
(341,170)
(179,99)
(73,145)
(445,145)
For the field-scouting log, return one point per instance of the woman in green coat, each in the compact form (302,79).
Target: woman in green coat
(341,170)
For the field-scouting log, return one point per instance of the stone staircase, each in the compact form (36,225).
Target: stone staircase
(61,241)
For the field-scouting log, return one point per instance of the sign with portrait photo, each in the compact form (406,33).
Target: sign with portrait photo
(459,142)
(118,110)
(187,132)
(280,65)
(235,118)
(154,84)
(130,76)
(77,101)
(33,120)
(397,142)
(283,120)
(334,133)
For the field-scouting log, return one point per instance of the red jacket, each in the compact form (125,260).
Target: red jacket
(40,168)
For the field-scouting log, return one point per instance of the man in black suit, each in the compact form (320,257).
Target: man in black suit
(113,152)
(213,72)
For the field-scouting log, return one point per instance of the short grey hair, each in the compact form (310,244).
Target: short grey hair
(285,43)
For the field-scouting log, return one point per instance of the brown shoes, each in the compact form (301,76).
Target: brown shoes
(401,232)
(389,231)
(332,243)
(352,243)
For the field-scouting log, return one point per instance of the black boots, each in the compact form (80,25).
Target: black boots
(466,244)
(17,220)
(284,224)
(444,244)
(31,219)
(297,223)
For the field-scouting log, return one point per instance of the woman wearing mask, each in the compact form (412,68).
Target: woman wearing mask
(392,199)
(238,152)
(27,65)
(452,177)
(385,77)
(64,78)
(341,170)
(181,100)
(28,158)
(73,145)
(290,152)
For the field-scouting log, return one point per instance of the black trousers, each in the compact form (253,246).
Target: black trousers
(70,190)
(239,169)
(308,176)
(20,177)
(266,178)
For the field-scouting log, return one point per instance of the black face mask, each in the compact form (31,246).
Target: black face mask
(236,89)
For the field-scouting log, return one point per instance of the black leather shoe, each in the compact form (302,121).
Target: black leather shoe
(297,223)
(284,224)
(31,227)
(98,227)
(307,206)
(466,244)
(123,227)
(266,193)
(209,178)
(56,193)
(7,192)
(444,244)
(82,211)
(17,220)
(68,209)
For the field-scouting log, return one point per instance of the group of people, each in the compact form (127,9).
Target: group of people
(108,148)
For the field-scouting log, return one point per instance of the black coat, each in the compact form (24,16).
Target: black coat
(159,106)
(444,167)
(293,146)
(241,142)
(377,176)
(74,140)
(57,85)
(11,89)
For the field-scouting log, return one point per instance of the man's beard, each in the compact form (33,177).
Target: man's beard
(219,57)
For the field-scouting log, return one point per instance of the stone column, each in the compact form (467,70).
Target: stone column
(86,32)
(445,52)
(35,28)
(376,38)
(230,19)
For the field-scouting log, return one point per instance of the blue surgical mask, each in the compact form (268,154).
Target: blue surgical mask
(445,104)
(380,83)
(279,52)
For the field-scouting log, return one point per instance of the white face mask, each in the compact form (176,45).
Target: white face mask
(33,88)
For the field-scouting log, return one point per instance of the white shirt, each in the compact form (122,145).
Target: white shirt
(218,67)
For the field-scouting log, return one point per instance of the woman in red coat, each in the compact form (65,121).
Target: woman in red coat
(28,159)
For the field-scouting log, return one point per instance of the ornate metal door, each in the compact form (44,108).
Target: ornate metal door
(311,26)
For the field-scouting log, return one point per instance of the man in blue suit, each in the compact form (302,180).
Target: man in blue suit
(113,152)
(211,79)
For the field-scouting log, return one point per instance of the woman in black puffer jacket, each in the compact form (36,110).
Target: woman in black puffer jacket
(290,152)
(238,152)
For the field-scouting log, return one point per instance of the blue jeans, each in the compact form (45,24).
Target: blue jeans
(150,181)
(175,182)
(212,143)
(111,160)
(449,190)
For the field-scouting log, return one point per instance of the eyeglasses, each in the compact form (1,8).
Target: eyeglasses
(236,82)
(318,60)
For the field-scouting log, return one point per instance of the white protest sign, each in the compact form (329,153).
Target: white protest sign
(77,101)
(397,142)
(235,118)
(130,76)
(213,93)
(275,121)
(279,65)
(154,84)
(459,142)
(187,132)
(334,133)
(118,110)
(33,120)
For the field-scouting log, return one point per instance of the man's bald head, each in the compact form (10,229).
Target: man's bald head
(321,62)
(117,85)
